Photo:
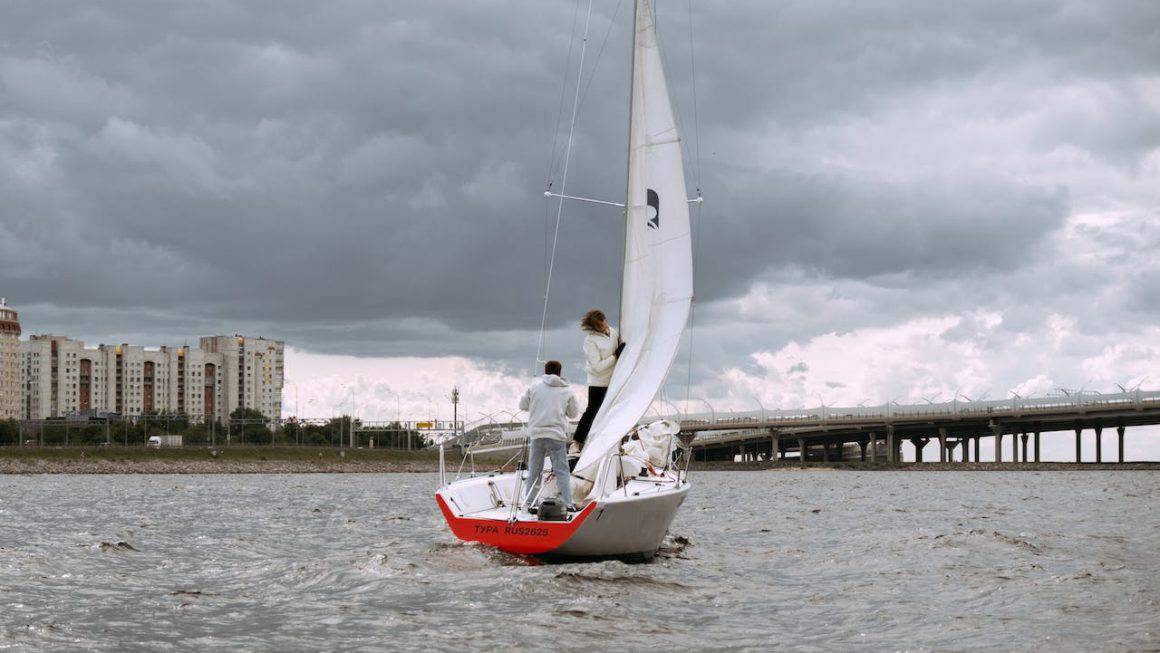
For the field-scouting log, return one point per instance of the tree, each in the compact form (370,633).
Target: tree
(248,426)
(339,429)
(9,431)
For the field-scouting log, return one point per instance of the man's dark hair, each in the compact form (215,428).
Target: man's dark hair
(553,367)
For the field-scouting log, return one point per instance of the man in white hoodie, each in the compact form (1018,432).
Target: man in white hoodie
(549,403)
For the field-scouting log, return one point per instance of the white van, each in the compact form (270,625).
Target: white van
(163,441)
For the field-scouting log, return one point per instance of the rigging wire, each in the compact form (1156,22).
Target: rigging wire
(563,187)
(551,167)
(697,208)
(600,52)
(693,77)
(595,67)
(692,156)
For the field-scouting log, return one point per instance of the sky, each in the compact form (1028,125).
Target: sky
(903,200)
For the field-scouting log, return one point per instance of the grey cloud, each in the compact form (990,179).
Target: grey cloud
(1145,291)
(860,228)
(811,63)
(365,177)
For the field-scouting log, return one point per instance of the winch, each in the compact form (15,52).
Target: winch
(552,510)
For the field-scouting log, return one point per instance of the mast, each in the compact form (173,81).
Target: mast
(628,162)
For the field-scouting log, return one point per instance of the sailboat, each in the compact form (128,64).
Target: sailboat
(628,480)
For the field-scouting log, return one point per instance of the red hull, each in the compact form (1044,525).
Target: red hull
(529,538)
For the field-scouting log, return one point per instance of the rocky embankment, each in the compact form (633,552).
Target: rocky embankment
(329,463)
(101,466)
(921,467)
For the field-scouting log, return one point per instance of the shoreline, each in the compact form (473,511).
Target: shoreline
(205,460)
(111,467)
(24,461)
(794,466)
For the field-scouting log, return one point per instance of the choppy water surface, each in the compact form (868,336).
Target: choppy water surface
(821,561)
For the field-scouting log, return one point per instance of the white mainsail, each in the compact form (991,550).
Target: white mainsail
(658,261)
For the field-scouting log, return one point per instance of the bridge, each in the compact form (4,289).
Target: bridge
(824,433)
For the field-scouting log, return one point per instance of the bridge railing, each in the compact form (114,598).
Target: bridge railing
(748,421)
(834,414)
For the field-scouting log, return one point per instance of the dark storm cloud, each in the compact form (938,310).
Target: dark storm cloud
(346,173)
(858,228)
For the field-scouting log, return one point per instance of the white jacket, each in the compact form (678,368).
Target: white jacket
(549,403)
(600,356)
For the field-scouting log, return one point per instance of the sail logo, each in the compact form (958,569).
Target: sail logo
(654,203)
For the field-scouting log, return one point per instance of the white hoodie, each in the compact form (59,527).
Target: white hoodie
(600,356)
(549,403)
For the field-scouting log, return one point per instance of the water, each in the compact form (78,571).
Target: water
(801,560)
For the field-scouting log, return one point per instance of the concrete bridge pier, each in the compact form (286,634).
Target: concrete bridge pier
(966,443)
(1120,433)
(997,431)
(978,441)
(1024,437)
(892,445)
(803,452)
(862,445)
(1037,446)
(775,452)
(1015,448)
(942,445)
(1099,449)
(1078,445)
(919,444)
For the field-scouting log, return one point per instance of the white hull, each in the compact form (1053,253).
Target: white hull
(626,526)
(630,521)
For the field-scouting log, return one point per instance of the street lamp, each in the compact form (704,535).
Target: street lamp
(398,407)
(454,408)
(342,417)
(297,406)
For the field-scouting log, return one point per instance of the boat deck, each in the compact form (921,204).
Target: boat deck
(635,487)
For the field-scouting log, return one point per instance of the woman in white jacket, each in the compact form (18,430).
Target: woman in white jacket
(602,347)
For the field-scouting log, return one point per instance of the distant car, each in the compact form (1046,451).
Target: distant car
(164,441)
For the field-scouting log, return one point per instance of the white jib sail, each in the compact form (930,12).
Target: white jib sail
(658,261)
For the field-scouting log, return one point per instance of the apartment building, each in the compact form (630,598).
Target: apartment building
(254,372)
(10,388)
(63,377)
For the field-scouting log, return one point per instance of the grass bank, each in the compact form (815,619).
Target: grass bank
(204,460)
(314,460)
